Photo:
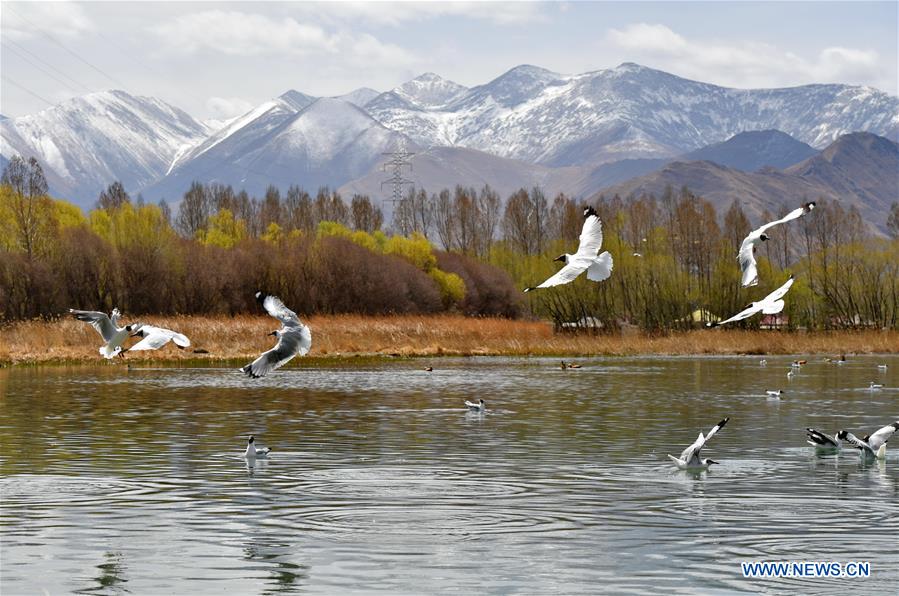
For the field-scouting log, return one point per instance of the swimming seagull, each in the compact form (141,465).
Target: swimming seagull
(746,255)
(874,386)
(770,305)
(107,327)
(252,452)
(293,338)
(822,442)
(872,445)
(690,459)
(598,268)
(774,394)
(476,407)
(790,374)
(763,362)
(882,367)
(156,337)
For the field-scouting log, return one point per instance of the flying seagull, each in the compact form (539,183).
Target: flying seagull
(598,268)
(756,237)
(252,452)
(476,407)
(822,442)
(293,338)
(770,305)
(690,459)
(107,327)
(872,445)
(156,337)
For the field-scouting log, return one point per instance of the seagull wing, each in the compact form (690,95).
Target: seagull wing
(779,292)
(567,274)
(693,450)
(156,337)
(747,263)
(591,238)
(820,438)
(98,320)
(601,268)
(752,309)
(882,436)
(794,214)
(276,308)
(293,341)
(858,443)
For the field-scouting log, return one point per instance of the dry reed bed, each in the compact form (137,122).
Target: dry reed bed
(242,337)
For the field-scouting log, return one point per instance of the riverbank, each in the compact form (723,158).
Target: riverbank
(244,337)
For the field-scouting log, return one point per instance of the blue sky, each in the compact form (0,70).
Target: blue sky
(217,59)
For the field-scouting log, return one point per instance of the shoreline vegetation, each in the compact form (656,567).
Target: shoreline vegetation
(223,338)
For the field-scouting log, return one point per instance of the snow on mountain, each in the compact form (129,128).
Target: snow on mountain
(87,142)
(429,91)
(328,143)
(629,112)
(296,100)
(359,97)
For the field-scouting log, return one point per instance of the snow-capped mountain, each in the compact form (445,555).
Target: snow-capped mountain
(88,142)
(629,112)
(429,91)
(327,143)
(359,97)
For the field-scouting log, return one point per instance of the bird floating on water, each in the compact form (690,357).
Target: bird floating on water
(874,386)
(823,442)
(790,374)
(252,452)
(746,255)
(567,365)
(874,445)
(293,338)
(429,368)
(598,268)
(882,367)
(799,363)
(107,327)
(763,362)
(690,459)
(769,305)
(774,394)
(476,407)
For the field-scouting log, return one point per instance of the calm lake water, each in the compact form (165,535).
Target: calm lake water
(118,481)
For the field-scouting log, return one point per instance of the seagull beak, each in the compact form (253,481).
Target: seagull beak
(272,333)
(711,461)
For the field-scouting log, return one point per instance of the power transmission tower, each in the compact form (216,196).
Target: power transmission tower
(397,160)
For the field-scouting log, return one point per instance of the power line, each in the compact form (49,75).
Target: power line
(26,90)
(41,68)
(8,6)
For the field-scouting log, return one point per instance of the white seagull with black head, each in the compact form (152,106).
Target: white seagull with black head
(598,267)
(107,327)
(293,338)
(689,459)
(746,255)
(252,452)
(770,305)
(156,337)
(874,445)
(480,406)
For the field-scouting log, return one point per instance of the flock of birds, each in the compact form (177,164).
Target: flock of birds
(599,265)
(295,338)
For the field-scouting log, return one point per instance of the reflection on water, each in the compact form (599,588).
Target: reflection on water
(380,479)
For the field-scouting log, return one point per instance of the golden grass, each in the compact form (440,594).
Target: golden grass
(244,337)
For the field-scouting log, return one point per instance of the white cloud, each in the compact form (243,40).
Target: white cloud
(397,13)
(222,108)
(26,20)
(242,34)
(742,64)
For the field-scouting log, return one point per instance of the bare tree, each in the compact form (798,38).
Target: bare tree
(444,219)
(113,197)
(366,217)
(31,207)
(194,211)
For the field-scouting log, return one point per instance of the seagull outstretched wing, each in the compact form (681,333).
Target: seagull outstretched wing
(293,341)
(156,337)
(590,242)
(98,320)
(276,308)
(746,256)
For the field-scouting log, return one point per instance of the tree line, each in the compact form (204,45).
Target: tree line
(456,250)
